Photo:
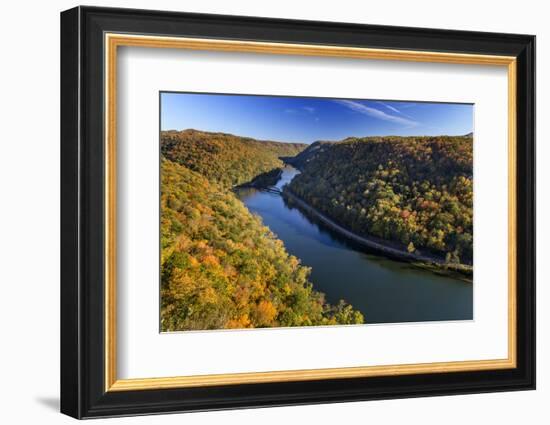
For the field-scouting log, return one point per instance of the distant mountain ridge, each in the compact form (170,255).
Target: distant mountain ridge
(225,158)
(308,153)
(321,146)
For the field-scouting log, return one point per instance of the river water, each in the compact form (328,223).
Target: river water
(384,290)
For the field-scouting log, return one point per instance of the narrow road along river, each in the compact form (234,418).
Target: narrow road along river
(384,290)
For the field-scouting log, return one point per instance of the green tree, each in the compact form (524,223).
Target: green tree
(407,190)
(222,268)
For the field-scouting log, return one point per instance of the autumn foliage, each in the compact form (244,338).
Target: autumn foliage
(414,192)
(227,159)
(221,267)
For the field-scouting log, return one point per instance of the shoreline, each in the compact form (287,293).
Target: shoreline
(262,181)
(427,262)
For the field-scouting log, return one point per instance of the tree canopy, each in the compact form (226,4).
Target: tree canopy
(222,268)
(416,192)
(227,159)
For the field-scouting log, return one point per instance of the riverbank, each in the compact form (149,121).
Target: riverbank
(264,180)
(429,262)
(383,288)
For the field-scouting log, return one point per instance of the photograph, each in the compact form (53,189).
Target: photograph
(286,211)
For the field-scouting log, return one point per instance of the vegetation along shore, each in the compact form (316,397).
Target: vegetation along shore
(221,268)
(409,198)
(412,195)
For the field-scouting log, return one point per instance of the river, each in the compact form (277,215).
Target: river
(384,290)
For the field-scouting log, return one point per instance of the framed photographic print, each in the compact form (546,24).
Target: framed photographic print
(261,212)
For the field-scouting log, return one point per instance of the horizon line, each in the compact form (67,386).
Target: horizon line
(471,133)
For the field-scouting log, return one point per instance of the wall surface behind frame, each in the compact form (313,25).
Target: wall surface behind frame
(29,224)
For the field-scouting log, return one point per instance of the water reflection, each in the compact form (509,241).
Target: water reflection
(384,290)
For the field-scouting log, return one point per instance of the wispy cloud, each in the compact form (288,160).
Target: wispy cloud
(391,108)
(377,113)
(301,110)
(394,109)
(304,112)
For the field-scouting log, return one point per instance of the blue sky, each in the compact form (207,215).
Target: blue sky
(307,119)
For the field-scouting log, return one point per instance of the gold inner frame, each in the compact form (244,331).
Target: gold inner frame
(113,41)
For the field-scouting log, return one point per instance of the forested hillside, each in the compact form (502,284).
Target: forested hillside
(229,160)
(416,192)
(308,154)
(222,268)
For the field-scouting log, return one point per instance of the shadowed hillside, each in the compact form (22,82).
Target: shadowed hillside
(229,160)
(415,192)
(316,148)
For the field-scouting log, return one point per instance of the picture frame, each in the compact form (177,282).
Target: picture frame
(90,40)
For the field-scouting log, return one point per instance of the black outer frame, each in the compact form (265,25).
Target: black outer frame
(82,207)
